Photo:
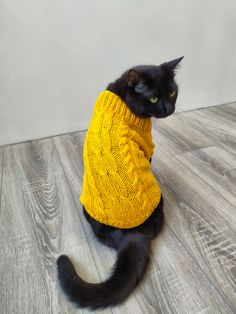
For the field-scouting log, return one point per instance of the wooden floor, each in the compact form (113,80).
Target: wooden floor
(193,267)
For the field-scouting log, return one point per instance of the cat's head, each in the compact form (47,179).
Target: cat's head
(149,91)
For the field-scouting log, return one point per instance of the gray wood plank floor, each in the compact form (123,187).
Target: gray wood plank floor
(193,267)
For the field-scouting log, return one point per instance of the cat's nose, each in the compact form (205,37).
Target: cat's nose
(167,108)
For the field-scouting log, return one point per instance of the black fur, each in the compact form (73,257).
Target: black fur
(133,256)
(135,87)
(157,81)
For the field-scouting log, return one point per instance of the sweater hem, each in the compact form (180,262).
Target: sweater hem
(121,225)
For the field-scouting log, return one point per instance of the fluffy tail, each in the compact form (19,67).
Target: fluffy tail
(133,257)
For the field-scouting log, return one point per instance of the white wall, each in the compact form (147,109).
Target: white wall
(57,55)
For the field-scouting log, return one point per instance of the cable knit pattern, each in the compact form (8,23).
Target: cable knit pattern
(119,188)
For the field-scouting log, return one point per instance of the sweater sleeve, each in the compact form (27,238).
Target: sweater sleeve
(145,181)
(152,146)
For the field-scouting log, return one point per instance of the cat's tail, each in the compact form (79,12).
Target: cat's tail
(133,257)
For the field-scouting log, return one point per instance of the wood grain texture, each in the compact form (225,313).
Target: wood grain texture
(38,222)
(213,165)
(181,133)
(1,171)
(180,281)
(213,124)
(193,265)
(201,229)
(200,203)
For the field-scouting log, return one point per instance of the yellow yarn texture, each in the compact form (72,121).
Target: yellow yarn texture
(119,188)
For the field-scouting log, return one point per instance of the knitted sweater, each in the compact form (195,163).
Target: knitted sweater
(119,188)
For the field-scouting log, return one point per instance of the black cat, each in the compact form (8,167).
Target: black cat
(148,91)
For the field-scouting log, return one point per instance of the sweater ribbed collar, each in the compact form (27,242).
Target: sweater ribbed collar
(110,102)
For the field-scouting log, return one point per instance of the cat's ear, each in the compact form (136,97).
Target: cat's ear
(172,65)
(133,77)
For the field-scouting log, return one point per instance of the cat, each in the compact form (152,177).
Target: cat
(148,91)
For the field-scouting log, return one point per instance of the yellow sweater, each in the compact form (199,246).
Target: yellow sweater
(119,188)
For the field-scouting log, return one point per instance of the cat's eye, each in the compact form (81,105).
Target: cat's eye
(172,94)
(153,100)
